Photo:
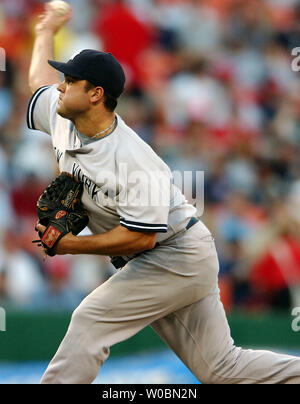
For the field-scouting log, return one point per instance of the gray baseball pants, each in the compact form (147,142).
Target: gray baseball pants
(173,288)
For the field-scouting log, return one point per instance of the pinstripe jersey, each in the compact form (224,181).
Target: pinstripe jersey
(125,181)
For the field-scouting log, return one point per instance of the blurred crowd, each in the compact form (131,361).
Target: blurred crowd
(210,86)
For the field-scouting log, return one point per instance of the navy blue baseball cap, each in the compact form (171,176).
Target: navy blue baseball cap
(99,68)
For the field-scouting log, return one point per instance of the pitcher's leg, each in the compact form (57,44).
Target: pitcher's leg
(199,334)
(87,343)
(78,358)
(129,301)
(149,287)
(110,314)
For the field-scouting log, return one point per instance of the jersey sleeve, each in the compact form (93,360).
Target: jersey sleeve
(41,104)
(144,198)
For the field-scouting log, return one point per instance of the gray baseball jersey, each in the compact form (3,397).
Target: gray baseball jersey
(125,182)
(173,287)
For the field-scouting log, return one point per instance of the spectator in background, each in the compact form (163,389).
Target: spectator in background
(21,275)
(275,273)
(7,215)
(24,202)
(194,94)
(57,293)
(6,97)
(112,22)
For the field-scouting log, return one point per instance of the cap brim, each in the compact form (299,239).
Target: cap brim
(65,68)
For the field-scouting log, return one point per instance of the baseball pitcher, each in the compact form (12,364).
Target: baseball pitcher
(166,258)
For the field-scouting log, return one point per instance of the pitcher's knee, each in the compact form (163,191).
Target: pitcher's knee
(78,315)
(81,318)
(88,332)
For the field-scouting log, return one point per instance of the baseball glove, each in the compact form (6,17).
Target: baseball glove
(60,210)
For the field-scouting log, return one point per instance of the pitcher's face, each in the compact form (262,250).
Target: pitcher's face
(73,100)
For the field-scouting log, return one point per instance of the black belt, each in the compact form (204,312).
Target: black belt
(119,262)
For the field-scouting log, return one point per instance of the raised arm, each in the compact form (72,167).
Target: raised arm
(40,72)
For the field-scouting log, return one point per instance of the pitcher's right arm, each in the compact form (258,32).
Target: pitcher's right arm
(40,72)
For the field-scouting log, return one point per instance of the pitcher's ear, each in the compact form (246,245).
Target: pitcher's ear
(96,94)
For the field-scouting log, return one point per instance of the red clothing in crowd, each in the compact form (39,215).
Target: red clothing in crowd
(124,36)
(279,267)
